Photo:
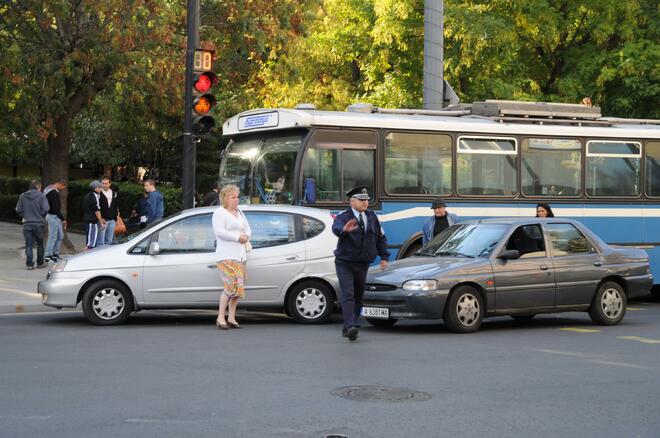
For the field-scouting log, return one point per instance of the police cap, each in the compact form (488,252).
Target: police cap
(359,192)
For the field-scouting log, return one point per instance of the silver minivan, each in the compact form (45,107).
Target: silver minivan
(171,265)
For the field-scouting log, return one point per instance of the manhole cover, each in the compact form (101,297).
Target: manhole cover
(380,394)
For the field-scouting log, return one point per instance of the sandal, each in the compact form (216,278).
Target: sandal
(220,325)
(234,325)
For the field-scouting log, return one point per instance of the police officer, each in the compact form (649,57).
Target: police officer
(361,239)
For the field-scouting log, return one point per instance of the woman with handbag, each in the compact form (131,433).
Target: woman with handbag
(232,234)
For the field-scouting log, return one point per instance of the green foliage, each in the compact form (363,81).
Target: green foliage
(8,207)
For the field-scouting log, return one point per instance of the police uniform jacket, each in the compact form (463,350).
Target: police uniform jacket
(357,245)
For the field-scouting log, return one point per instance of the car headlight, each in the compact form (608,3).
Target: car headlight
(420,285)
(59,266)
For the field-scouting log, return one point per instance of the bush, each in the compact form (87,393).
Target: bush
(8,207)
(14,186)
(128,194)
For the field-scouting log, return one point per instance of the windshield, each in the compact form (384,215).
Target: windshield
(262,166)
(465,240)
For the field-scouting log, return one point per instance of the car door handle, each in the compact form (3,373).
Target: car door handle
(598,263)
(292,257)
(544,267)
(212,266)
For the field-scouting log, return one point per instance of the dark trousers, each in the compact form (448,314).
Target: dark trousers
(352,277)
(34,234)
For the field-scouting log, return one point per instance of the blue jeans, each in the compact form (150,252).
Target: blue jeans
(34,234)
(55,235)
(107,234)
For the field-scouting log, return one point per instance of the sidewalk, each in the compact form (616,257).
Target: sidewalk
(18,286)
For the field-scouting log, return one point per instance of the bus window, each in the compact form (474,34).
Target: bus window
(337,161)
(262,166)
(551,167)
(613,168)
(274,168)
(417,163)
(486,166)
(653,168)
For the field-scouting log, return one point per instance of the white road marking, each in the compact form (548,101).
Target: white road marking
(158,421)
(21,292)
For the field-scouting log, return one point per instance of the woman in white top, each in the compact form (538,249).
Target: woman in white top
(232,232)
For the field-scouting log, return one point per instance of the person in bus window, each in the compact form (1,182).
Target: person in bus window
(544,210)
(437,223)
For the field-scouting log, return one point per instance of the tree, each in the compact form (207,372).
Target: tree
(63,53)
(371,51)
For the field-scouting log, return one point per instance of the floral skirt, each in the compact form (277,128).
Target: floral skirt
(233,277)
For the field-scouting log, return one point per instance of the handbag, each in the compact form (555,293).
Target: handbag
(248,246)
(120,226)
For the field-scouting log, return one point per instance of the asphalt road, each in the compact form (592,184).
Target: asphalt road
(173,374)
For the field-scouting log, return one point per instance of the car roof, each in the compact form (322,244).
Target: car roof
(307,211)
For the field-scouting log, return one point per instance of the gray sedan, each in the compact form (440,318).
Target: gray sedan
(517,267)
(172,266)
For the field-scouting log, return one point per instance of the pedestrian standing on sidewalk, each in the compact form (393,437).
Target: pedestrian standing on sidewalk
(56,222)
(232,234)
(212,197)
(361,239)
(32,206)
(155,203)
(109,211)
(92,215)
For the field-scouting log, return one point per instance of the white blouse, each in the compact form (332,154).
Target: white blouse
(227,229)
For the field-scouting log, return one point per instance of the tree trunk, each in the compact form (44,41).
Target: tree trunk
(56,165)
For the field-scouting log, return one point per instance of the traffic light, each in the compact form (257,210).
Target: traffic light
(203,101)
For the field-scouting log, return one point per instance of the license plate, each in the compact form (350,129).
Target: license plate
(376,312)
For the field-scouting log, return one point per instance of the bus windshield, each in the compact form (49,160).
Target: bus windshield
(262,166)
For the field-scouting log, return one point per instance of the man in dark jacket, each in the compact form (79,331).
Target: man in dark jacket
(32,206)
(55,219)
(109,211)
(361,239)
(212,197)
(92,214)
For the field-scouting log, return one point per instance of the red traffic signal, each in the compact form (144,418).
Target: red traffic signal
(202,82)
(203,102)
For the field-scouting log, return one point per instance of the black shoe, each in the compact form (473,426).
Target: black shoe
(55,258)
(43,265)
(352,333)
(48,259)
(30,268)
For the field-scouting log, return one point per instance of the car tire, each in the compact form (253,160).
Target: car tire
(464,310)
(382,323)
(310,302)
(107,302)
(609,304)
(523,317)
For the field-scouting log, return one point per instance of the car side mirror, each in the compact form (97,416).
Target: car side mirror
(510,254)
(154,248)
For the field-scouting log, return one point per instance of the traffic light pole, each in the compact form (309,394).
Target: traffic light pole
(189,145)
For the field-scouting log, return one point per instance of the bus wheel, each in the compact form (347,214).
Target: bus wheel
(412,249)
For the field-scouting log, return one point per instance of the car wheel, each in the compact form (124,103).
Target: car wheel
(310,302)
(464,310)
(609,305)
(522,317)
(107,302)
(383,323)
